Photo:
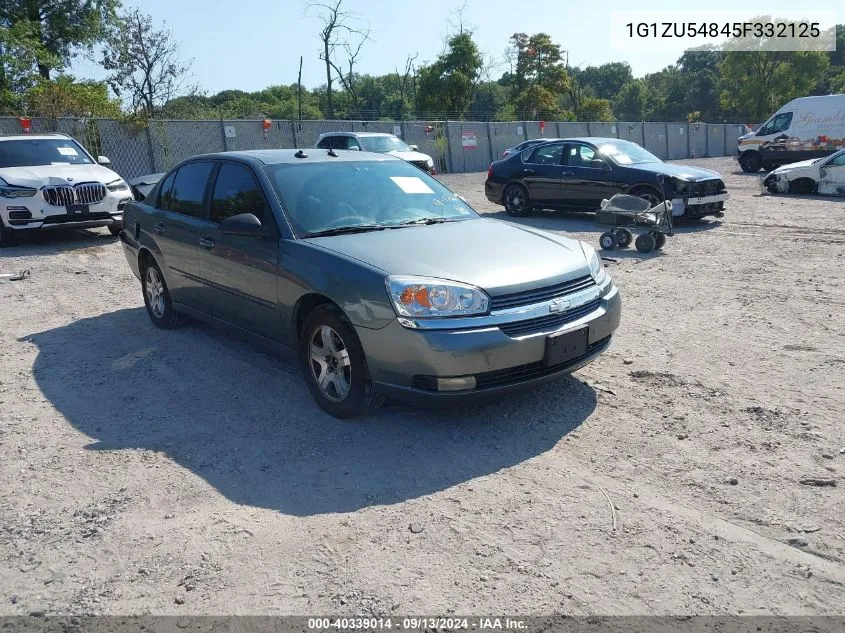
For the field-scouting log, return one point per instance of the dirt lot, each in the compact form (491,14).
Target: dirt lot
(144,471)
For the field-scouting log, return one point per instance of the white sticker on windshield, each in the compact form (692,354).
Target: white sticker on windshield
(67,151)
(411,184)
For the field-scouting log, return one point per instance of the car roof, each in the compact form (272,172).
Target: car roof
(277,156)
(363,134)
(38,137)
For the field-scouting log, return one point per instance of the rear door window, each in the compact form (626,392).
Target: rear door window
(188,192)
(544,155)
(164,191)
(237,191)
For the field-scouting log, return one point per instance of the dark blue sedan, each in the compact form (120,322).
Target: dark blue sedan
(578,173)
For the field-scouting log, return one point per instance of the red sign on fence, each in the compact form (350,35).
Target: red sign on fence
(469,140)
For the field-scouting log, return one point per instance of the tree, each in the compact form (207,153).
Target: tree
(537,75)
(56,30)
(340,32)
(594,109)
(143,63)
(64,97)
(604,81)
(630,104)
(755,84)
(447,85)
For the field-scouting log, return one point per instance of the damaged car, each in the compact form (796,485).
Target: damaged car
(825,176)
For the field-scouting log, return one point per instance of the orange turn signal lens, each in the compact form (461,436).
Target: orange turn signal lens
(418,294)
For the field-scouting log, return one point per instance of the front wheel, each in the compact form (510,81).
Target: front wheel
(334,365)
(608,241)
(750,162)
(645,243)
(115,228)
(659,240)
(516,201)
(624,237)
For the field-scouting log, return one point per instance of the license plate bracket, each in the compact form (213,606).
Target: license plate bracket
(78,209)
(561,348)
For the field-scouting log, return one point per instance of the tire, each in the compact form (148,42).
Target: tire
(624,237)
(607,241)
(645,243)
(750,162)
(517,203)
(659,240)
(650,195)
(7,236)
(116,228)
(157,298)
(334,365)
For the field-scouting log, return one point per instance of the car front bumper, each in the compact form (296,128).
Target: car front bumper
(27,214)
(698,206)
(403,361)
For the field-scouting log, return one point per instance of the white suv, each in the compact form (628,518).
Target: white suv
(49,181)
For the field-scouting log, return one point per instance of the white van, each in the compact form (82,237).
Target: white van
(805,128)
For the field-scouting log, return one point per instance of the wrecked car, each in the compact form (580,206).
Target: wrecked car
(825,176)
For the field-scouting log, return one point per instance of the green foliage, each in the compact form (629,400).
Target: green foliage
(604,81)
(631,102)
(594,109)
(538,75)
(448,84)
(65,97)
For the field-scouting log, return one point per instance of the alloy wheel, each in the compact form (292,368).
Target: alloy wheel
(330,364)
(154,289)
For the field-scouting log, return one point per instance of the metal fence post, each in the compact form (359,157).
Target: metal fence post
(642,131)
(524,131)
(557,128)
(724,139)
(223,134)
(490,142)
(666,137)
(293,132)
(687,140)
(706,141)
(616,127)
(448,146)
(589,132)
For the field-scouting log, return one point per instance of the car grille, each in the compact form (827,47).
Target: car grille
(532,370)
(527,297)
(552,321)
(706,187)
(83,193)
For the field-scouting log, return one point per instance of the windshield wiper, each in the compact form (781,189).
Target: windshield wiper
(341,230)
(426,221)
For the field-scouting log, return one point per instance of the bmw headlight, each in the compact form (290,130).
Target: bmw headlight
(117,185)
(14,191)
(597,269)
(429,297)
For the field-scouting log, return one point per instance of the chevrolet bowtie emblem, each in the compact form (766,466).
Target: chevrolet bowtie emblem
(559,305)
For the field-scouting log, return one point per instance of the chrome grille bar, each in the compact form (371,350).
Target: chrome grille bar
(83,193)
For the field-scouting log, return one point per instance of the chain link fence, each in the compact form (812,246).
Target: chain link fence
(455,146)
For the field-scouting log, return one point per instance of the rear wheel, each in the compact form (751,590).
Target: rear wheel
(157,298)
(624,237)
(645,243)
(517,203)
(659,240)
(334,366)
(750,162)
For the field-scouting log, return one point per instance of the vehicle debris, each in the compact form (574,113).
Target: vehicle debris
(24,274)
(817,481)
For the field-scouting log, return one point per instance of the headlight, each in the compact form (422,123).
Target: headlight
(679,185)
(429,162)
(14,191)
(117,185)
(428,297)
(597,269)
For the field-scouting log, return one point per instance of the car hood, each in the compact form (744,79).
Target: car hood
(410,156)
(499,257)
(41,175)
(794,167)
(684,172)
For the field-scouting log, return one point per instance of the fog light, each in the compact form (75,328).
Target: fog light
(458,383)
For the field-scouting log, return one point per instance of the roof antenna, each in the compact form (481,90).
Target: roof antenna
(301,154)
(332,152)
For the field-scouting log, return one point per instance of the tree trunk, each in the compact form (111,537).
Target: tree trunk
(44,71)
(330,105)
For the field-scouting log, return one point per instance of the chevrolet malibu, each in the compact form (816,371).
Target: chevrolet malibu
(384,281)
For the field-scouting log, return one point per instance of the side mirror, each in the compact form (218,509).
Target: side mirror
(355,148)
(244,224)
(415,148)
(103,160)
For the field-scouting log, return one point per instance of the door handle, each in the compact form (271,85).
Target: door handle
(207,242)
(159,228)
(569,174)
(528,171)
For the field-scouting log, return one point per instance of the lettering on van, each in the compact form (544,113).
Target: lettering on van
(810,119)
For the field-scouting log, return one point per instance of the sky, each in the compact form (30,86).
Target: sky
(251,44)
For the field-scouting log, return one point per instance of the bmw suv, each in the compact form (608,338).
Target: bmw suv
(50,181)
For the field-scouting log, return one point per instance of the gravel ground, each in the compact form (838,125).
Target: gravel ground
(145,471)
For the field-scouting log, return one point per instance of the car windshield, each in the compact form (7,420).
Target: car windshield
(624,153)
(834,159)
(34,152)
(384,144)
(370,195)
